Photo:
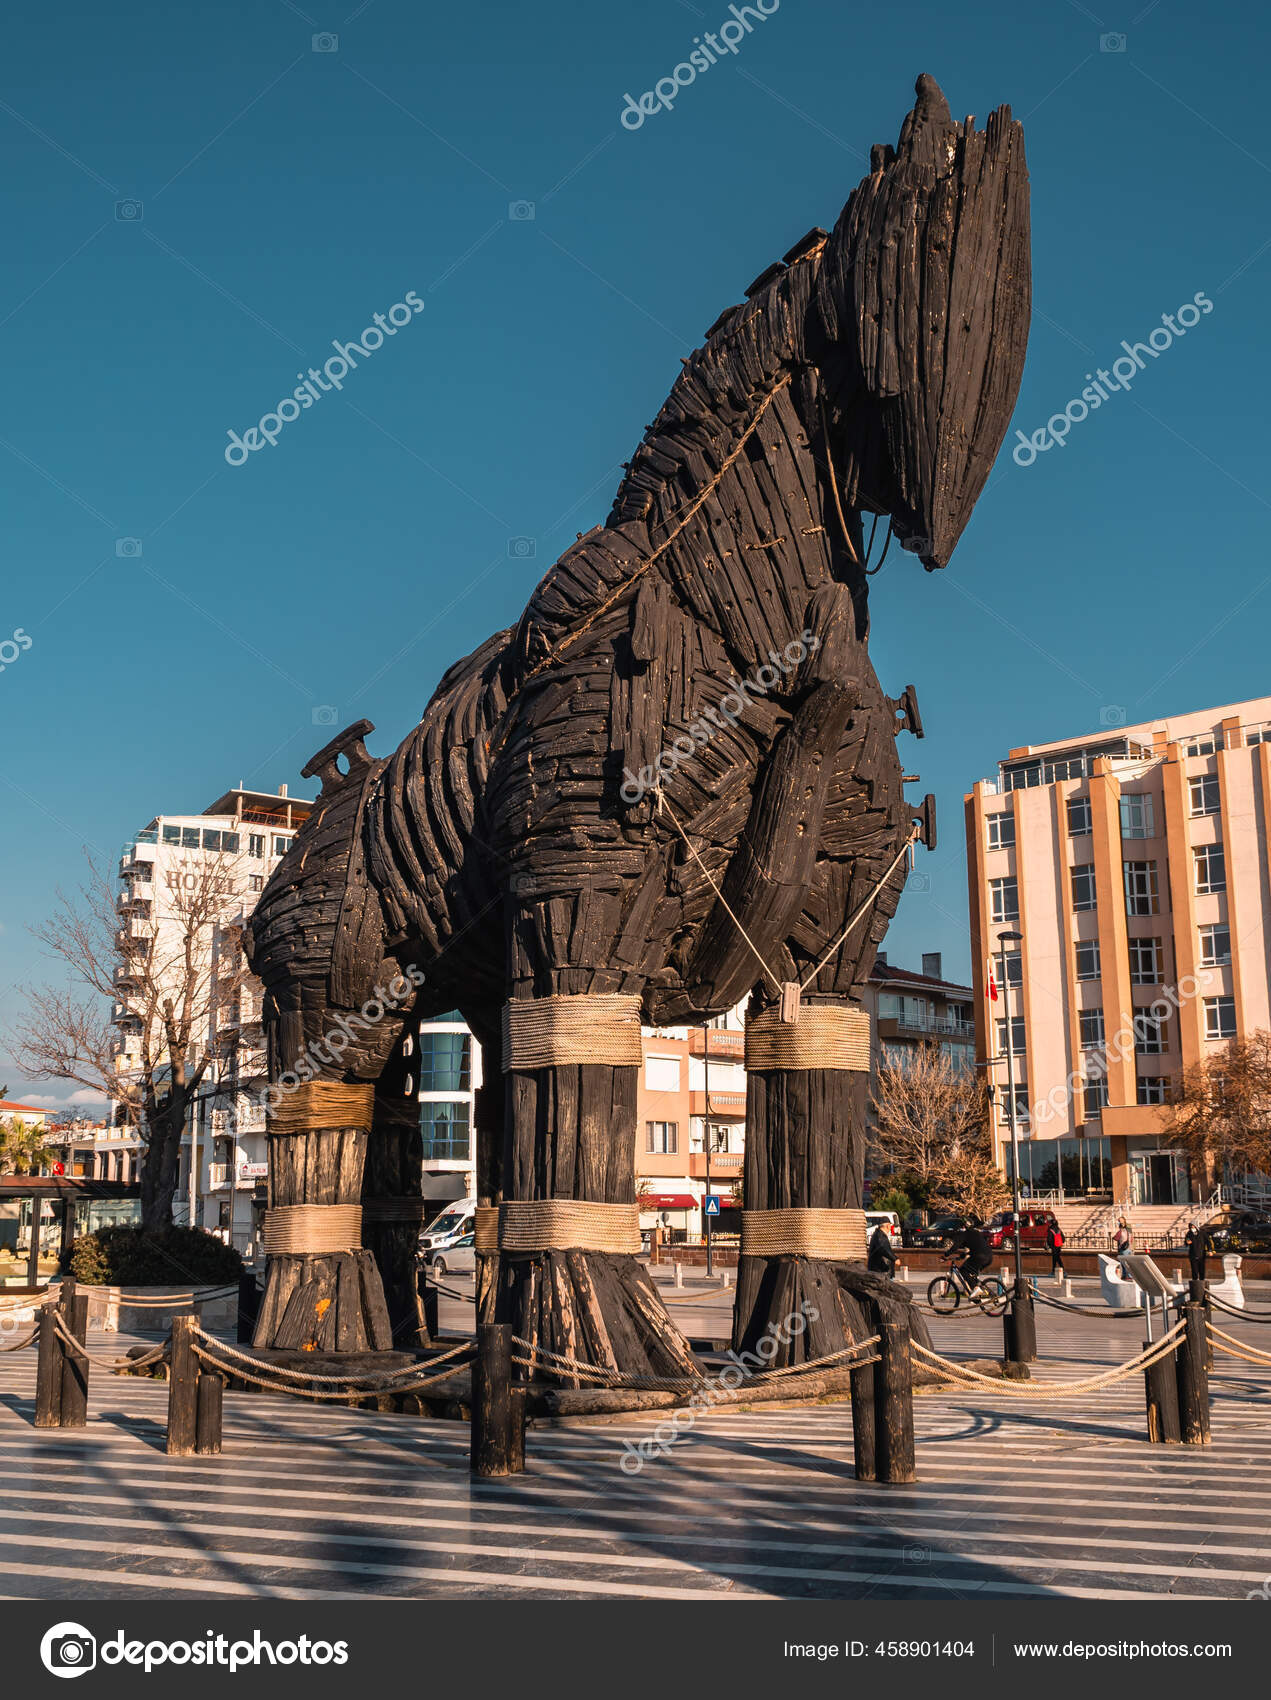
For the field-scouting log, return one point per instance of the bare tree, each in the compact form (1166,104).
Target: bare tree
(1220,1113)
(172,968)
(968,1181)
(925,1113)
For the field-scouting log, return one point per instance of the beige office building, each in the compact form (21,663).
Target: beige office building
(1134,862)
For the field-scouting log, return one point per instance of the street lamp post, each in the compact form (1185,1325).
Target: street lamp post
(1021,1327)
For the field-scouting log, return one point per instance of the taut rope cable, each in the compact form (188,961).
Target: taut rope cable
(351,1389)
(368,1376)
(1162,1348)
(1237,1348)
(710,878)
(865,906)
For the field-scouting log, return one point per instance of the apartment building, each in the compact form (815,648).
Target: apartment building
(909,1009)
(691,1124)
(237,841)
(1133,861)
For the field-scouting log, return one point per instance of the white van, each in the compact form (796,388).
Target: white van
(455,1220)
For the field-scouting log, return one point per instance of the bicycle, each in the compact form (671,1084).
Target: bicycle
(947,1292)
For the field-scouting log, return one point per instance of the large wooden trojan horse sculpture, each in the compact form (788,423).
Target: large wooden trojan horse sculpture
(673,785)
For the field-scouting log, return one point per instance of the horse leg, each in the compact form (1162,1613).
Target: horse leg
(569,1278)
(392,1198)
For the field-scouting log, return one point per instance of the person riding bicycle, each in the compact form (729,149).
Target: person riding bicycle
(969,1251)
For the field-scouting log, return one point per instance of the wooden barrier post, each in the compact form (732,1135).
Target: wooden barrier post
(48,1374)
(864,1446)
(1198,1293)
(209,1396)
(1161,1383)
(1193,1378)
(1019,1327)
(183,1390)
(492,1450)
(429,1299)
(894,1403)
(72,1307)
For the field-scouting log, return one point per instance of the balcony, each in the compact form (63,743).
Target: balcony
(729,1106)
(219,1175)
(724,1042)
(898,1027)
(725,1165)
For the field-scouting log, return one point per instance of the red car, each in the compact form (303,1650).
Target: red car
(1000,1230)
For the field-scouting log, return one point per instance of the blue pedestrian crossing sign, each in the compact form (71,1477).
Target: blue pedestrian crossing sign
(710,1204)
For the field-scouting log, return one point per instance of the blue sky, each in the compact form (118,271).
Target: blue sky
(197,203)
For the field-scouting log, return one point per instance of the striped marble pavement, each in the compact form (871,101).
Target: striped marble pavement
(326,1503)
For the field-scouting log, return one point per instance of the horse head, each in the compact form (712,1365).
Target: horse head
(919,321)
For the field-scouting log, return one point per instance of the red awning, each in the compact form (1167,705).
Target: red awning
(669,1201)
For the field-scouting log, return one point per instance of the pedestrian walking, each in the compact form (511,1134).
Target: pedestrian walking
(1197,1243)
(1055,1246)
(882,1254)
(1123,1239)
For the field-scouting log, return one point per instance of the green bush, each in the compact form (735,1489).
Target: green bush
(893,1199)
(177,1257)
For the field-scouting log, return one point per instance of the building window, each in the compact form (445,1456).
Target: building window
(1205,745)
(256,844)
(1088,959)
(1204,795)
(256,882)
(1091,1022)
(1017,1036)
(1220,1018)
(1257,735)
(1078,817)
(190,838)
(661,1074)
(1149,1034)
(445,1131)
(172,835)
(1004,899)
(1136,815)
(662,1138)
(445,1062)
(211,840)
(1150,1089)
(1142,896)
(1147,962)
(1211,868)
(229,842)
(282,844)
(1004,1106)
(1094,1095)
(1014,975)
(1215,945)
(999,830)
(1083,887)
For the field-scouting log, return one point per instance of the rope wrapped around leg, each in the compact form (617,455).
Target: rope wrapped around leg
(486,1230)
(568,1224)
(823,1036)
(590,1028)
(838,1236)
(312,1230)
(318,1104)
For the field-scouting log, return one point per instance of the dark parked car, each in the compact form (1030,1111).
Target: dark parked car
(1000,1232)
(1242,1230)
(937,1234)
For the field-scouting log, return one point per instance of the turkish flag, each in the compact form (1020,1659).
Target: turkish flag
(990,988)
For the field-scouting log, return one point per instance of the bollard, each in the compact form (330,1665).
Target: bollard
(183,1378)
(1193,1378)
(679,1274)
(1019,1328)
(248,1307)
(48,1374)
(209,1398)
(904,1272)
(72,1307)
(1067,1287)
(1161,1384)
(864,1428)
(430,1299)
(725,1276)
(493,1448)
(1198,1293)
(894,1403)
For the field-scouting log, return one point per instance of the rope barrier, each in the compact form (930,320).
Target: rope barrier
(557,1363)
(73,1345)
(370,1376)
(1234,1310)
(1086,1310)
(1152,1354)
(350,1391)
(452,1293)
(1237,1348)
(19,1344)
